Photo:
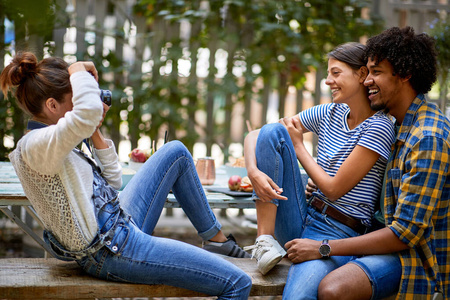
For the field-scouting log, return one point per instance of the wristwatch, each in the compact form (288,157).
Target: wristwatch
(325,249)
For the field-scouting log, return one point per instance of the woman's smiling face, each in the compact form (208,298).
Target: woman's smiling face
(344,82)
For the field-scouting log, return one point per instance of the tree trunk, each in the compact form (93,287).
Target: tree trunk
(159,30)
(193,93)
(119,78)
(100,7)
(210,96)
(175,100)
(282,92)
(60,28)
(232,31)
(136,79)
(317,96)
(265,100)
(299,100)
(82,10)
(443,92)
(248,95)
(4,108)
(247,38)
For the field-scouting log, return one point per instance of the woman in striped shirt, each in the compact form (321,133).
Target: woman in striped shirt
(353,148)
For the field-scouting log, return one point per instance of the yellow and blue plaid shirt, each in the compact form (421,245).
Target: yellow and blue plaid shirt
(417,199)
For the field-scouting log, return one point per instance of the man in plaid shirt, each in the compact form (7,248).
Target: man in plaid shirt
(410,256)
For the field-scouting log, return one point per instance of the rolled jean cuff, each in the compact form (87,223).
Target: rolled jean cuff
(274,201)
(384,273)
(211,232)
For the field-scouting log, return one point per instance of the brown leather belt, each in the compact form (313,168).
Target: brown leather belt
(326,209)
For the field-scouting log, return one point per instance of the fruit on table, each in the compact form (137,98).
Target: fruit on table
(138,155)
(234,182)
(246,185)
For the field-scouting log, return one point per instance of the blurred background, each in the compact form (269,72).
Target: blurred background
(205,72)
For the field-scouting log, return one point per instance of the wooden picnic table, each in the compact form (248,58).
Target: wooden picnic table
(12,195)
(11,192)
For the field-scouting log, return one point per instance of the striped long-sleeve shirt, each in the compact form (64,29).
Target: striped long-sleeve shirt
(335,143)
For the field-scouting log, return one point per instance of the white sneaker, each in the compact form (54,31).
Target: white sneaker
(267,252)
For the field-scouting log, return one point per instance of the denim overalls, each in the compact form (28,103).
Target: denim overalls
(110,219)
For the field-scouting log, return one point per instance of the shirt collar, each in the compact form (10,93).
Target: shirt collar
(32,124)
(410,116)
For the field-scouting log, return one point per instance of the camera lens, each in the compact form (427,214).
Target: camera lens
(106,96)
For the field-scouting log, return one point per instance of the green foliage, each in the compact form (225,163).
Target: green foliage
(284,38)
(28,20)
(276,41)
(28,16)
(440,30)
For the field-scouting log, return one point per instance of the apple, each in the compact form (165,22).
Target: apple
(138,155)
(234,182)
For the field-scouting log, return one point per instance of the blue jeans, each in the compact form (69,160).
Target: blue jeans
(276,157)
(134,255)
(384,273)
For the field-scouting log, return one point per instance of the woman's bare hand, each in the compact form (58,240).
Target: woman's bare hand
(105,110)
(84,66)
(265,188)
(294,128)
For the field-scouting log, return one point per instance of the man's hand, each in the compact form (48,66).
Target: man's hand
(265,187)
(310,188)
(300,250)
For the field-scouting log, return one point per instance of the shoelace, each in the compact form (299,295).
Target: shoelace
(259,248)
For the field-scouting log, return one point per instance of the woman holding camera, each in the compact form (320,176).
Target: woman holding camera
(86,220)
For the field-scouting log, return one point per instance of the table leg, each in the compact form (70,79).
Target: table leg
(13,217)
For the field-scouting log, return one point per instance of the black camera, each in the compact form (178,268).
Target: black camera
(106,96)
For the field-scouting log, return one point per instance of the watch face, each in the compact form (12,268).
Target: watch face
(324,250)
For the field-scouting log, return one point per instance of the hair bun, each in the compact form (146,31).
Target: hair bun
(25,66)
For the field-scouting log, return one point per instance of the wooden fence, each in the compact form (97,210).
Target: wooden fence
(101,26)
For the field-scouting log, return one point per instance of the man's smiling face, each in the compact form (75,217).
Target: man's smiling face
(383,85)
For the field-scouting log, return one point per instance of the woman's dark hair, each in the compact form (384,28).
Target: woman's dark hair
(350,53)
(409,54)
(33,82)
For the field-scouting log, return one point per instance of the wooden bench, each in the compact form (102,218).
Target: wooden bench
(49,278)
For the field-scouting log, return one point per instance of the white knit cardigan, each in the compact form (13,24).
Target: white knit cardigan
(59,182)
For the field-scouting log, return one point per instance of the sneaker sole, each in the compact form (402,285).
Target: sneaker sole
(269,264)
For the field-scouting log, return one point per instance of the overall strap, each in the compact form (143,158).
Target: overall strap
(32,124)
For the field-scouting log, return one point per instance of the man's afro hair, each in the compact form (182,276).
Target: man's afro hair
(409,54)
